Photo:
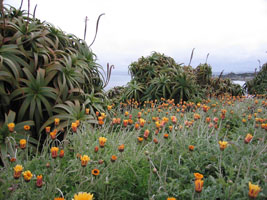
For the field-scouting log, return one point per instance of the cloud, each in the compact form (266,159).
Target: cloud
(233,32)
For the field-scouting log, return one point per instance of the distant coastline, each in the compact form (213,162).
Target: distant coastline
(246,76)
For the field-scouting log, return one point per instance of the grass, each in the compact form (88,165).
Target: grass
(150,170)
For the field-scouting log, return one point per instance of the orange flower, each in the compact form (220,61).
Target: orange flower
(126,113)
(166,135)
(96,149)
(205,108)
(142,122)
(39,181)
(87,111)
(140,139)
(130,121)
(102,141)
(196,116)
(113,158)
(17,171)
(61,153)
(253,190)
(121,148)
(139,114)
(103,115)
(54,151)
(248,138)
(11,127)
(191,147)
(109,107)
(95,172)
(53,134)
(84,160)
(223,145)
(146,133)
(57,120)
(26,127)
(208,119)
(155,140)
(74,127)
(97,113)
(27,175)
(77,122)
(59,198)
(173,119)
(114,121)
(216,119)
(100,122)
(198,176)
(171,198)
(125,122)
(47,129)
(118,120)
(13,159)
(198,185)
(170,128)
(22,143)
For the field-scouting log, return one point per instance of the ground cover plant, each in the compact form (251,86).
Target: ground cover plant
(214,149)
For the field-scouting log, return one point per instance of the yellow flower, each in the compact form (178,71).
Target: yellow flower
(57,120)
(27,175)
(84,160)
(22,143)
(54,151)
(109,107)
(11,127)
(53,134)
(223,145)
(253,190)
(74,126)
(103,115)
(248,138)
(102,141)
(18,168)
(17,171)
(83,196)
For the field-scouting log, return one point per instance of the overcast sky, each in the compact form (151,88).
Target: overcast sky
(232,31)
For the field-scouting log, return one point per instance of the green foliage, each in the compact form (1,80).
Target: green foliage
(158,76)
(41,67)
(7,138)
(258,85)
(146,170)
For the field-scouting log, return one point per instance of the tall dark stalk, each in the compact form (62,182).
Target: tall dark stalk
(4,21)
(85,28)
(96,29)
(28,17)
(207,58)
(191,57)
